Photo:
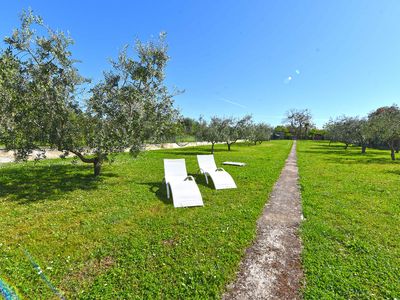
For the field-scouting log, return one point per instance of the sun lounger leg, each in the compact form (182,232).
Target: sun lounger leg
(167,186)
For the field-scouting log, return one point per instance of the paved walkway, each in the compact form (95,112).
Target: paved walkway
(272,268)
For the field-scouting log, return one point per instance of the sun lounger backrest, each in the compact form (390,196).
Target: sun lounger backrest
(206,163)
(174,168)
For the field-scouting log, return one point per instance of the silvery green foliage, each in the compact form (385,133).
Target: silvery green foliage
(332,131)
(385,127)
(234,129)
(211,132)
(348,130)
(227,130)
(361,132)
(258,132)
(39,86)
(132,104)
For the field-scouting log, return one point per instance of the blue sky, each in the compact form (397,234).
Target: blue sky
(239,57)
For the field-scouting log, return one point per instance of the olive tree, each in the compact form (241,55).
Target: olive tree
(259,132)
(212,131)
(131,104)
(339,131)
(349,130)
(361,132)
(39,87)
(385,127)
(333,131)
(233,129)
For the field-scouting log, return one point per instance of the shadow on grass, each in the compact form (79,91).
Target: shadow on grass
(201,180)
(337,154)
(395,172)
(31,183)
(160,190)
(369,161)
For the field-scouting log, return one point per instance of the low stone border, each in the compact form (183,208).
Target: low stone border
(8,156)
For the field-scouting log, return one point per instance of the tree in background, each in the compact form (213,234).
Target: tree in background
(189,126)
(186,131)
(338,131)
(234,129)
(282,132)
(349,130)
(258,132)
(316,134)
(39,88)
(211,132)
(218,130)
(385,127)
(300,122)
(361,132)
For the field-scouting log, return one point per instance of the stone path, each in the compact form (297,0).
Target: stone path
(272,268)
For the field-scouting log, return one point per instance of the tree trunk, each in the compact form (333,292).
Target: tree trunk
(392,154)
(363,149)
(255,142)
(345,147)
(212,148)
(229,146)
(97,167)
(96,161)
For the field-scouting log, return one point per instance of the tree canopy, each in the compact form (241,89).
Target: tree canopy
(300,122)
(42,104)
(385,127)
(380,128)
(258,132)
(349,130)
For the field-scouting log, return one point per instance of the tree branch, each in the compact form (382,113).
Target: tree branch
(82,158)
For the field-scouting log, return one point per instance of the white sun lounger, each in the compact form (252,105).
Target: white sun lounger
(220,178)
(180,186)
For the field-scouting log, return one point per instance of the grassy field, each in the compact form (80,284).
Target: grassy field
(118,237)
(351,235)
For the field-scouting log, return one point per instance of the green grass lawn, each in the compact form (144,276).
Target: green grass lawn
(351,236)
(118,237)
